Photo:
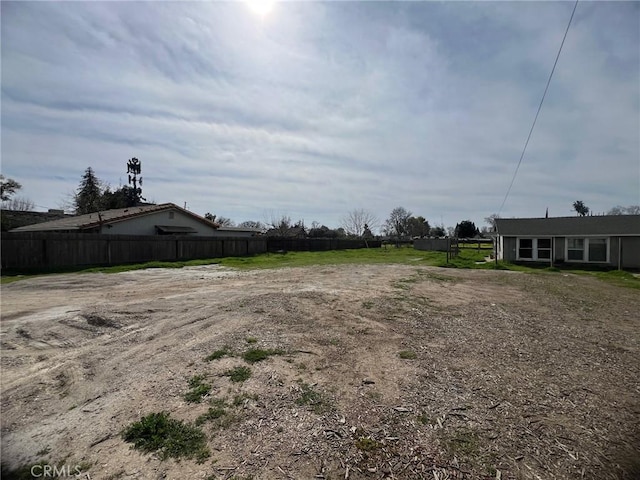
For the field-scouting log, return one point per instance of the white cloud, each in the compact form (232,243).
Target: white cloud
(320,108)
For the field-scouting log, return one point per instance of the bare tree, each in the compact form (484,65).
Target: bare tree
(491,221)
(19,204)
(355,221)
(620,210)
(252,224)
(221,221)
(279,223)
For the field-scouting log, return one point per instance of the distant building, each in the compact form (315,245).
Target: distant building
(607,240)
(10,219)
(163,219)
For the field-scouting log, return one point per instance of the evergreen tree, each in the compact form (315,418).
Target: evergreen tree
(89,197)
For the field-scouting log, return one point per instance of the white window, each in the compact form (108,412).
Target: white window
(588,250)
(575,249)
(598,249)
(525,249)
(544,248)
(534,249)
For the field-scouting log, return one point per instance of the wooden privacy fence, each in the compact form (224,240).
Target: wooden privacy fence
(46,250)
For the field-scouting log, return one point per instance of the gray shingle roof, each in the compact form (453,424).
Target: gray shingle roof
(566,226)
(91,220)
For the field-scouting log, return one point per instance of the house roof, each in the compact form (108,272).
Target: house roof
(568,226)
(92,220)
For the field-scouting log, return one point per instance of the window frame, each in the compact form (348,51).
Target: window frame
(586,250)
(534,249)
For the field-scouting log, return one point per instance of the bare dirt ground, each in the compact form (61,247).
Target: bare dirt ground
(515,376)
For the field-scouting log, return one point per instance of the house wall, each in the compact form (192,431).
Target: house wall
(630,252)
(558,251)
(146,224)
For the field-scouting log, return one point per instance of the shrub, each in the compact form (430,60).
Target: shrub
(157,432)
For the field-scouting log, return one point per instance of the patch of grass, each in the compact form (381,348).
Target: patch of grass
(367,304)
(367,444)
(240,398)
(405,255)
(407,355)
(424,419)
(311,397)
(619,278)
(238,374)
(170,438)
(374,395)
(251,340)
(463,443)
(254,355)
(198,389)
(218,354)
(212,414)
(466,258)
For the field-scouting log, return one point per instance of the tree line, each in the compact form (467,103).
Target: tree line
(93,195)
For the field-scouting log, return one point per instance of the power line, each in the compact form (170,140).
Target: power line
(539,108)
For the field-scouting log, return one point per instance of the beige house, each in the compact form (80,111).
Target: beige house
(606,240)
(163,219)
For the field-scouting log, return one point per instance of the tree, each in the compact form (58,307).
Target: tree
(355,221)
(620,210)
(491,221)
(19,204)
(252,224)
(580,208)
(418,227)
(8,186)
(124,197)
(89,196)
(279,225)
(438,231)
(221,221)
(398,222)
(466,229)
(323,231)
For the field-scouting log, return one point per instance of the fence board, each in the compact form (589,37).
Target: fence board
(49,250)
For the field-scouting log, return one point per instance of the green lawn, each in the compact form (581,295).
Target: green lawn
(468,258)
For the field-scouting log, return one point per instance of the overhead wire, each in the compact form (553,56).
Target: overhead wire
(539,108)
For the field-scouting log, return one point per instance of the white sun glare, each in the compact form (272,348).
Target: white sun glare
(260,7)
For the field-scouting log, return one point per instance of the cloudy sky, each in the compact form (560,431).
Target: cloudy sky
(317,108)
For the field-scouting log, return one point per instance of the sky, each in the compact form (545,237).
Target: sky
(315,109)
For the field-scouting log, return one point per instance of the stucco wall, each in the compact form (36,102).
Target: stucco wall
(146,225)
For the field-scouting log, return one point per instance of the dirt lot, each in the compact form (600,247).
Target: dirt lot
(502,374)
